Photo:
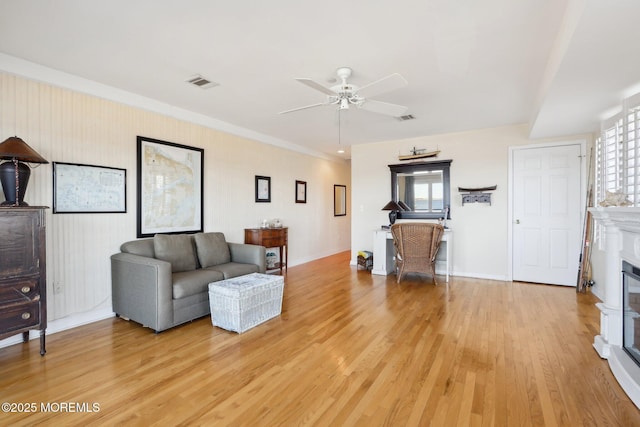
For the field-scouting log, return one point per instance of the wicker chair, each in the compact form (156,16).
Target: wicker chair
(416,246)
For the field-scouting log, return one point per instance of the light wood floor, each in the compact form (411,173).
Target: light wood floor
(349,349)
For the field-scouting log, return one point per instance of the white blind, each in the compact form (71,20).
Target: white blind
(609,160)
(618,153)
(631,173)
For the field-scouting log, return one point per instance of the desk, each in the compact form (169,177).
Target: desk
(270,238)
(384,254)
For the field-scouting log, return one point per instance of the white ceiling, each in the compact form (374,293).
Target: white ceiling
(558,65)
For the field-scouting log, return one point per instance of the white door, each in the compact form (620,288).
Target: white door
(547,213)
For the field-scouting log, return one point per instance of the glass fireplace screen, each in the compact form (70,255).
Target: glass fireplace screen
(631,315)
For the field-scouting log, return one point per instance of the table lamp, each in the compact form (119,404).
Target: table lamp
(14,175)
(394,207)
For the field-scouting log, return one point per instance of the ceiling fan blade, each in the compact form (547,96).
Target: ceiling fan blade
(385,108)
(317,86)
(385,84)
(303,108)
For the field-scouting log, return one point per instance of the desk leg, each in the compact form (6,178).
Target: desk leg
(448,265)
(383,254)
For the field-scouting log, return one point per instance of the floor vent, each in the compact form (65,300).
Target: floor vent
(406,117)
(201,82)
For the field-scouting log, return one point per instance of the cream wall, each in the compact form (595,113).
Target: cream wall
(480,158)
(67,126)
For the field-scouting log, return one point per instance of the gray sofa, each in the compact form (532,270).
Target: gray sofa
(162,282)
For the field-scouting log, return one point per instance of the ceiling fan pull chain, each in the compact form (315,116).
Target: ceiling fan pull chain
(339,129)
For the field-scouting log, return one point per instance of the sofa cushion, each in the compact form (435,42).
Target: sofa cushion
(142,247)
(212,249)
(176,249)
(189,283)
(234,269)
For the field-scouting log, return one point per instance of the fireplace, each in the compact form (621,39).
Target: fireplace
(631,315)
(618,282)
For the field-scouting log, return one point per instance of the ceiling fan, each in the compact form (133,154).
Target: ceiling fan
(345,94)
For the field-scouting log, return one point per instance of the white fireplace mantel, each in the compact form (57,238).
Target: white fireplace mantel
(621,239)
(624,217)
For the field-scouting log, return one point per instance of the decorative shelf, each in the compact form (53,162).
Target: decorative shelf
(476,195)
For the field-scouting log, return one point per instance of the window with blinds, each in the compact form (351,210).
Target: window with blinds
(618,155)
(609,160)
(631,172)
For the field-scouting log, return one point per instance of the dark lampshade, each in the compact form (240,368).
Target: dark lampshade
(394,207)
(14,175)
(403,205)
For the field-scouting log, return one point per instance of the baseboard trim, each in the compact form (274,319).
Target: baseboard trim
(59,325)
(500,278)
(440,272)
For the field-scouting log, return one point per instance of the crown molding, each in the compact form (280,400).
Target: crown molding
(22,68)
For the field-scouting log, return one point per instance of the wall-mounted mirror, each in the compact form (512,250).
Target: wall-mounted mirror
(339,200)
(422,188)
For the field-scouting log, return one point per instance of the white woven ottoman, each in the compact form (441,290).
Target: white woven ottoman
(243,302)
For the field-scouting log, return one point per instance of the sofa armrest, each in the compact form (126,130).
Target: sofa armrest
(142,290)
(249,254)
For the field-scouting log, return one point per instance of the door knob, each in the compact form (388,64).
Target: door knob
(517,221)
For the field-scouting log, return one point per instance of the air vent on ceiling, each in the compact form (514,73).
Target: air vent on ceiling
(406,117)
(201,82)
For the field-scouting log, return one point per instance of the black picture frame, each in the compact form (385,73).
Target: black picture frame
(170,187)
(339,200)
(410,168)
(301,191)
(263,189)
(82,188)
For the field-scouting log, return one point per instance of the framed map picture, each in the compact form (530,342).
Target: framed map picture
(170,194)
(81,188)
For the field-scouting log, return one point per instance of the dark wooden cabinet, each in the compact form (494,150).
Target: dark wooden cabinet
(270,238)
(23,284)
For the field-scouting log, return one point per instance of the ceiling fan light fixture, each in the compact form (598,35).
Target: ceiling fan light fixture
(345,93)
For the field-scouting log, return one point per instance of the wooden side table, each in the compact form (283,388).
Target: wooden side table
(270,238)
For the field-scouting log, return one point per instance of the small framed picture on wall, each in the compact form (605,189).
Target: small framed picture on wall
(263,189)
(301,192)
(339,200)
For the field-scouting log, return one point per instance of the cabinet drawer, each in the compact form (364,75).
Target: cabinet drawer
(266,237)
(19,290)
(271,242)
(267,234)
(19,316)
(252,237)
